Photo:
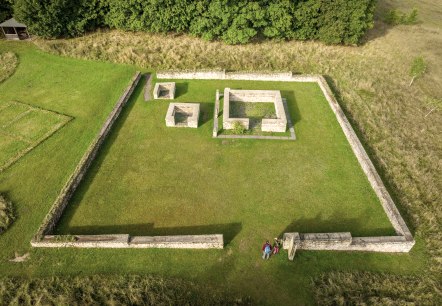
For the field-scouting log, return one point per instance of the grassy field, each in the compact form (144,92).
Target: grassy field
(23,127)
(400,125)
(8,64)
(155,180)
(35,180)
(393,119)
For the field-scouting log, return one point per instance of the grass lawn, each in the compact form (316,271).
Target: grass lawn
(23,127)
(154,180)
(149,179)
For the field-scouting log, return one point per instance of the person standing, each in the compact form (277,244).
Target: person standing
(276,246)
(266,250)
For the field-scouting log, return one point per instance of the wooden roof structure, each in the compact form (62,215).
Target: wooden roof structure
(14,30)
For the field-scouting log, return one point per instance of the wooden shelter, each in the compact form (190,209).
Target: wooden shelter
(14,30)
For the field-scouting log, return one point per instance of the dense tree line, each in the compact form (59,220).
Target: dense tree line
(233,21)
(5,10)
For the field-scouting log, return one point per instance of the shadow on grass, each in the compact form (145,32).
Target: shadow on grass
(181,89)
(229,230)
(333,224)
(292,106)
(372,154)
(100,157)
(206,113)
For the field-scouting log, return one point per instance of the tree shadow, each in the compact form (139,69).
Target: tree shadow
(228,230)
(394,193)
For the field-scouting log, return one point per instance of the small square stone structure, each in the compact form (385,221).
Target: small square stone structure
(254,96)
(188,113)
(164,91)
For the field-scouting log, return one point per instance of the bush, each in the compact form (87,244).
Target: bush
(234,22)
(395,17)
(238,128)
(7,216)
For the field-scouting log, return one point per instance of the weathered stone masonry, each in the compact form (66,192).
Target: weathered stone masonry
(404,240)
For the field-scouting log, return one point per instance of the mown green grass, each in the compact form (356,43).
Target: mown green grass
(87,91)
(23,127)
(155,180)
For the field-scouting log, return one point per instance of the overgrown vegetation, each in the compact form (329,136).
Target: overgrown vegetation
(363,288)
(395,17)
(7,215)
(238,128)
(234,22)
(8,64)
(5,10)
(418,68)
(110,290)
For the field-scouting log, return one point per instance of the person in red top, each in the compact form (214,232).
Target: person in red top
(266,250)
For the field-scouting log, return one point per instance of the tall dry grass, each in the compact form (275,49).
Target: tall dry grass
(8,64)
(110,290)
(398,123)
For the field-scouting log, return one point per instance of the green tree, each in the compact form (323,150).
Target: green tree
(5,9)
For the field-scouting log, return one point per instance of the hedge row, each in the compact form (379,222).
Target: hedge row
(233,21)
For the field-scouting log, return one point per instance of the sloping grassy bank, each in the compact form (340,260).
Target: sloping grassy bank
(110,290)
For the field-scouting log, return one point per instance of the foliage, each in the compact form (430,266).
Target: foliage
(8,64)
(60,18)
(418,68)
(5,9)
(238,128)
(394,17)
(109,290)
(7,215)
(234,22)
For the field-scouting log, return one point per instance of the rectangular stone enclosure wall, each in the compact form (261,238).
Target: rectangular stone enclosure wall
(254,96)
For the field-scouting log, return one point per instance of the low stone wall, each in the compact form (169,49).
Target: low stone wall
(345,242)
(401,243)
(125,241)
(74,180)
(189,75)
(223,75)
(254,96)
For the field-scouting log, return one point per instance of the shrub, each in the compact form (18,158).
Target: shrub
(238,128)
(7,216)
(418,68)
(395,17)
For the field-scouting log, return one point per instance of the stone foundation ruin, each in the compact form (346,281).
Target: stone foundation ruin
(183,115)
(255,96)
(164,91)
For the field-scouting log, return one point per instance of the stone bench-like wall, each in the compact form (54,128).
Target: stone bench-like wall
(116,241)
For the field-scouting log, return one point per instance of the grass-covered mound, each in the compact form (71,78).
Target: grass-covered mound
(8,63)
(6,213)
(109,290)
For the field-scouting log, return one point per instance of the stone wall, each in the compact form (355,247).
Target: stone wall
(189,75)
(125,241)
(404,241)
(345,242)
(74,180)
(223,75)
(253,96)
